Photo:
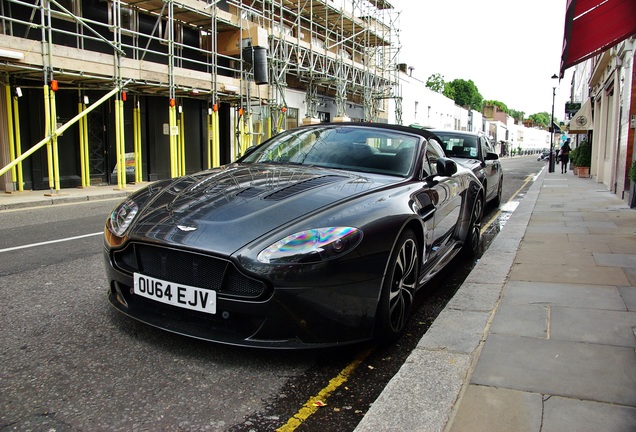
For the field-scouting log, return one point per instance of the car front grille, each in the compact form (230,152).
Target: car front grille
(187,268)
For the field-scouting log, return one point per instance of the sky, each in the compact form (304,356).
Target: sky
(510,49)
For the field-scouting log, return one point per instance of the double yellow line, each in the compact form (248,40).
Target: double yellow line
(315,402)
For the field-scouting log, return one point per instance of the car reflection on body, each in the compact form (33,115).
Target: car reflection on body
(474,151)
(318,237)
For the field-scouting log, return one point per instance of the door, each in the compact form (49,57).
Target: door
(97,148)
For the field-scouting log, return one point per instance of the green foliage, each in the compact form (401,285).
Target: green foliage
(436,83)
(502,106)
(573,153)
(583,156)
(632,172)
(449,91)
(517,115)
(541,119)
(464,93)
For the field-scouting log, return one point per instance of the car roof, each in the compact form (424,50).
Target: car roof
(425,133)
(456,132)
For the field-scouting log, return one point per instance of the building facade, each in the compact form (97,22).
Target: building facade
(605,87)
(167,88)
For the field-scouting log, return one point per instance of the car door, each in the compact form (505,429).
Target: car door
(492,167)
(438,203)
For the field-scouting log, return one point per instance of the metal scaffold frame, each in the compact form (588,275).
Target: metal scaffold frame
(195,49)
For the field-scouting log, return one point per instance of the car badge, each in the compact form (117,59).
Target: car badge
(186,228)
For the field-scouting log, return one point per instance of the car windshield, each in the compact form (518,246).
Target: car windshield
(460,146)
(353,148)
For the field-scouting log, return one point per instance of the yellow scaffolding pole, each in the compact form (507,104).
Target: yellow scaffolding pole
(173,141)
(10,127)
(120,144)
(182,164)
(137,135)
(259,132)
(209,140)
(216,151)
(56,157)
(86,155)
(122,141)
(80,127)
(47,132)
(18,142)
(268,129)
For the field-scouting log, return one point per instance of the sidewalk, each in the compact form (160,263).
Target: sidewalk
(542,334)
(19,200)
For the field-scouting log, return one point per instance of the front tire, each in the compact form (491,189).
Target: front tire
(398,288)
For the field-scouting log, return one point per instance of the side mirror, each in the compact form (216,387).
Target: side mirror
(491,156)
(446,167)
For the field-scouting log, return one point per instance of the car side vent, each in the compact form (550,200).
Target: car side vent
(299,187)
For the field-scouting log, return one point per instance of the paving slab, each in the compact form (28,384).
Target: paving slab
(569,274)
(563,414)
(593,326)
(615,259)
(572,295)
(530,320)
(573,369)
(628,293)
(488,409)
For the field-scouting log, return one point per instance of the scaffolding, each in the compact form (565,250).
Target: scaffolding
(345,51)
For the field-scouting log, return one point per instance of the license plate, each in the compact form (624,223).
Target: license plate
(171,293)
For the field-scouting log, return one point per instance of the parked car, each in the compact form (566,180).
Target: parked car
(474,151)
(544,156)
(320,236)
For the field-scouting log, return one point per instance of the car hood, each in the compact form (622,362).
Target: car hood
(224,209)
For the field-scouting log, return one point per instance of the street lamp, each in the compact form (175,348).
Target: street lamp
(551,129)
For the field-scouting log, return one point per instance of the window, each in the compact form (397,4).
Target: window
(433,153)
(129,21)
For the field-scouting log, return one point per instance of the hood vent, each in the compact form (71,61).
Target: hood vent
(302,186)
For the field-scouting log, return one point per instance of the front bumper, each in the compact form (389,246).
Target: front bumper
(319,310)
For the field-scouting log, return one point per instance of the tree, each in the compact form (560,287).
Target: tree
(541,119)
(517,115)
(436,83)
(464,93)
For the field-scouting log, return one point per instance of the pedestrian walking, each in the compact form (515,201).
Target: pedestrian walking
(565,156)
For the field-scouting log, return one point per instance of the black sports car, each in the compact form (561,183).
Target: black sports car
(319,236)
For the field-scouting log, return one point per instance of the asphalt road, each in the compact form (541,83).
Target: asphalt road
(70,362)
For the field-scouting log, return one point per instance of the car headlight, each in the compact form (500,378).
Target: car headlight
(121,218)
(313,245)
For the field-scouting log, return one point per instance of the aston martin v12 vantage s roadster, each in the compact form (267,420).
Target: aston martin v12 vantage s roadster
(318,237)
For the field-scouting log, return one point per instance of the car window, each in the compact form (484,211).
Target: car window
(360,149)
(461,146)
(433,152)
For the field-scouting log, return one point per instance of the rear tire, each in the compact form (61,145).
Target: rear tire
(398,288)
(473,236)
(497,200)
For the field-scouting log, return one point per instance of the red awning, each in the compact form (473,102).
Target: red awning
(592,26)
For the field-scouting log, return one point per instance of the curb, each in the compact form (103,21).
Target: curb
(427,390)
